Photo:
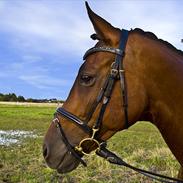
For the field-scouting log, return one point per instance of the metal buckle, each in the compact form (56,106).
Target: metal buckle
(56,122)
(114,72)
(91,140)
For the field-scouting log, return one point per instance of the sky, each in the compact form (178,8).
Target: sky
(42,41)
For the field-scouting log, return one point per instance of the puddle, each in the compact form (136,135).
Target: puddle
(8,137)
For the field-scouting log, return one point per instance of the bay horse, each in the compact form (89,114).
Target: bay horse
(152,90)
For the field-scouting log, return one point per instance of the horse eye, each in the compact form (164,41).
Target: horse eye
(87,80)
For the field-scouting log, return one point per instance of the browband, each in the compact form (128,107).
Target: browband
(116,51)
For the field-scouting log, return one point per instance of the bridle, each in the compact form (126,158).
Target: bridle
(117,72)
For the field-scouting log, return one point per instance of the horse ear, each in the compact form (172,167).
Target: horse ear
(105,31)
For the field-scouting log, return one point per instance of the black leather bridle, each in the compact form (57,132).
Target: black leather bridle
(116,72)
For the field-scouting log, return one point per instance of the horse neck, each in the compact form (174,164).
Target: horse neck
(162,70)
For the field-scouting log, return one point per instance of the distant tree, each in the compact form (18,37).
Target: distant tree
(13,97)
(61,101)
(29,100)
(21,99)
(6,97)
(1,97)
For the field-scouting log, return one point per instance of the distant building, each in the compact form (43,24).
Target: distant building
(53,100)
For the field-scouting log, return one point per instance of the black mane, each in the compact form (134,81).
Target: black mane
(154,37)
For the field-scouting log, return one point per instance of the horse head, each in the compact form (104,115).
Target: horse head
(87,96)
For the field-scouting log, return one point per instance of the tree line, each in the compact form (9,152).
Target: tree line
(12,97)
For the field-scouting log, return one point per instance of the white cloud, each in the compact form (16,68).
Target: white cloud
(45,27)
(1,5)
(63,26)
(44,82)
(164,18)
(31,58)
(3,75)
(61,29)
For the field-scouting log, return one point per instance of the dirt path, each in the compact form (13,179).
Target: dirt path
(31,104)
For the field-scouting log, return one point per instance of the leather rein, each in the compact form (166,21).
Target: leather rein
(116,73)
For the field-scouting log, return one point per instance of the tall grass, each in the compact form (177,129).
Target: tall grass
(141,145)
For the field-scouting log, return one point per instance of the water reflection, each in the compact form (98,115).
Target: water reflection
(8,137)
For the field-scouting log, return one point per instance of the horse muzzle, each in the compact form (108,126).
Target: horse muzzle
(56,153)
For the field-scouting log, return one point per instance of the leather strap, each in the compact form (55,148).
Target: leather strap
(75,120)
(67,143)
(114,159)
(103,49)
(124,92)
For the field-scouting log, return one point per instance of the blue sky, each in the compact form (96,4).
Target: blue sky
(42,42)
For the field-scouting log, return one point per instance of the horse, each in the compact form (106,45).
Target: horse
(151,78)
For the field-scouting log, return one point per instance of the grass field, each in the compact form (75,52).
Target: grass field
(141,146)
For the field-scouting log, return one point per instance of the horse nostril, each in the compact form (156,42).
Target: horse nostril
(45,151)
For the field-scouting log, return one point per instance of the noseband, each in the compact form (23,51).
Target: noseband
(116,72)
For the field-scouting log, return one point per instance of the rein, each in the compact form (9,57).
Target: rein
(116,73)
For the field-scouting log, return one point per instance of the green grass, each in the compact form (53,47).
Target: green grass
(141,145)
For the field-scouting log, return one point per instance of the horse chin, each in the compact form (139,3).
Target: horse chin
(68,164)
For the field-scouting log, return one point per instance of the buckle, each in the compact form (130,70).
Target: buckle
(114,72)
(56,122)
